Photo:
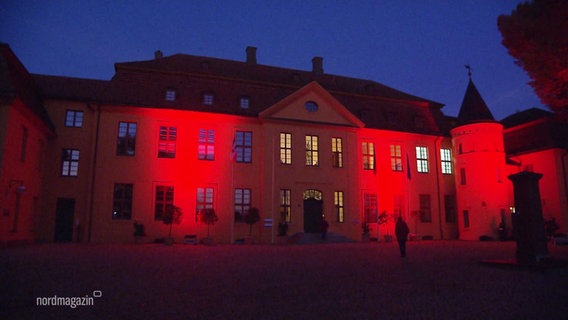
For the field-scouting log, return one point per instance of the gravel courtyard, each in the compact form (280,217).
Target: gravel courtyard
(438,280)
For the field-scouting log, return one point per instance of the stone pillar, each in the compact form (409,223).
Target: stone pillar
(528,224)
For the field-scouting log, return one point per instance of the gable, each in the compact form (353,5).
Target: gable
(313,104)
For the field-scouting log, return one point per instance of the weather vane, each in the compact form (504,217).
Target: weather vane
(468,67)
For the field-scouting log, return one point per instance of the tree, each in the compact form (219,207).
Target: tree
(209,217)
(535,34)
(173,214)
(252,217)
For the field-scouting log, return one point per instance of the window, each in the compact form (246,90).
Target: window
(244,102)
(167,142)
(446,158)
(285,208)
(368,149)
(312,150)
(425,210)
(164,199)
(122,201)
(339,206)
(370,207)
(285,148)
(204,200)
(422,159)
(242,204)
(462,177)
(25,133)
(171,95)
(398,205)
(70,163)
(396,157)
(337,152)
(450,206)
(74,119)
(311,106)
(242,147)
(206,144)
(466,219)
(126,141)
(208,99)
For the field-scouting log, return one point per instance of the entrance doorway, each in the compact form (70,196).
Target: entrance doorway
(64,213)
(313,211)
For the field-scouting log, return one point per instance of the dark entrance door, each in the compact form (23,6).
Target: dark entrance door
(64,212)
(313,210)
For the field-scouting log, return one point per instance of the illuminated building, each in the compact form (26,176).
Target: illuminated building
(96,156)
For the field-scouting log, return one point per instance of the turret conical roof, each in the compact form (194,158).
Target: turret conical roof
(473,108)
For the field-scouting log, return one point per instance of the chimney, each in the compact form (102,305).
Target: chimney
(317,65)
(251,55)
(158,55)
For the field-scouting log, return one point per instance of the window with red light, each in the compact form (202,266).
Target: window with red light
(312,151)
(206,144)
(164,198)
(285,148)
(122,201)
(285,208)
(396,157)
(422,159)
(368,150)
(425,209)
(167,142)
(242,203)
(70,163)
(446,161)
(204,200)
(398,205)
(242,147)
(126,140)
(466,219)
(370,207)
(338,201)
(337,152)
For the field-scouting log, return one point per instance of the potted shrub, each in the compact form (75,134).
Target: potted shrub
(172,215)
(252,217)
(383,219)
(208,217)
(139,231)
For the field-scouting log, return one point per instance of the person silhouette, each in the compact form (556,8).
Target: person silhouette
(401,231)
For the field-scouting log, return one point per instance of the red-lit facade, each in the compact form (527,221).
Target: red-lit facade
(200,132)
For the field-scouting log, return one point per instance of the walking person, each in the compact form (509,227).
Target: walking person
(401,231)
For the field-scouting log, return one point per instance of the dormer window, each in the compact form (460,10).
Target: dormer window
(311,106)
(208,99)
(244,102)
(171,95)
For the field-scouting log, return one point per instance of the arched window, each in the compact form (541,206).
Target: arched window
(312,194)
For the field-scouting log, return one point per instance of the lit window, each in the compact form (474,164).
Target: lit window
(167,142)
(171,95)
(312,150)
(422,159)
(242,204)
(206,144)
(244,102)
(285,208)
(70,163)
(204,200)
(126,141)
(337,152)
(285,148)
(208,99)
(425,210)
(339,206)
(368,150)
(242,147)
(163,200)
(370,207)
(122,201)
(74,118)
(446,158)
(396,157)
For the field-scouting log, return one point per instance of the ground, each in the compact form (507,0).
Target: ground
(437,280)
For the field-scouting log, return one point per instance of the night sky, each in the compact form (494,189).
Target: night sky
(420,47)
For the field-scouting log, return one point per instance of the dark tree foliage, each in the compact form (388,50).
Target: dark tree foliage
(536,35)
(252,217)
(209,217)
(172,215)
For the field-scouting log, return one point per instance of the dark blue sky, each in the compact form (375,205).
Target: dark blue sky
(419,47)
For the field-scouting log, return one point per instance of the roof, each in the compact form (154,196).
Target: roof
(525,116)
(17,83)
(473,108)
